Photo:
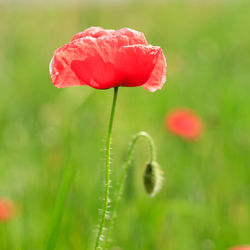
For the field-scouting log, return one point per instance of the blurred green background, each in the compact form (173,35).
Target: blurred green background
(205,200)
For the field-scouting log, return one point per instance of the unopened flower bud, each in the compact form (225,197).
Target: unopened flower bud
(152,178)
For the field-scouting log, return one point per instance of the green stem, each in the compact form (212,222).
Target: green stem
(67,176)
(56,221)
(107,177)
(126,166)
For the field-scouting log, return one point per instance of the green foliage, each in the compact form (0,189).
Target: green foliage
(205,200)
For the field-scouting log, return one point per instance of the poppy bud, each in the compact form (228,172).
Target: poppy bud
(152,178)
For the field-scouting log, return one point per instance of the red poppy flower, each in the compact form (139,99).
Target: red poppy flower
(6,209)
(108,58)
(240,248)
(185,123)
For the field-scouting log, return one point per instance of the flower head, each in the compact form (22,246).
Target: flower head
(6,210)
(104,58)
(184,123)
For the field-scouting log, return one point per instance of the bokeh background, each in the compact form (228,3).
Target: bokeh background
(205,200)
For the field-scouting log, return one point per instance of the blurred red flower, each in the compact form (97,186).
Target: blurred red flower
(240,248)
(185,123)
(108,58)
(6,209)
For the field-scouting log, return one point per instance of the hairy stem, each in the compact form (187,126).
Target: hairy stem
(125,169)
(107,176)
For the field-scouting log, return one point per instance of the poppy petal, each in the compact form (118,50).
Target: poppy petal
(93,32)
(6,209)
(135,37)
(61,73)
(240,248)
(134,64)
(184,123)
(86,61)
(158,75)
